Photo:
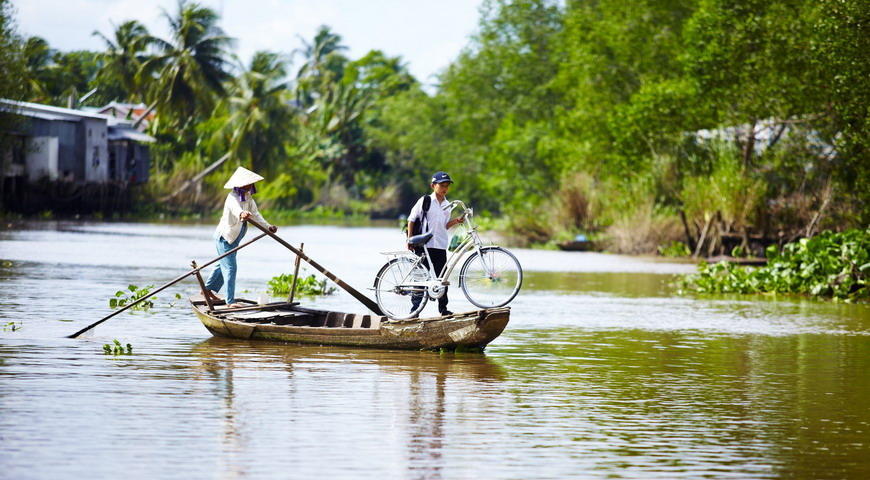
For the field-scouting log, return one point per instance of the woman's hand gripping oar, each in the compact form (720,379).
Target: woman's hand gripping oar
(368,302)
(173,282)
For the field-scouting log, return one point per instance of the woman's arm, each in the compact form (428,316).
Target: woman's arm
(255,212)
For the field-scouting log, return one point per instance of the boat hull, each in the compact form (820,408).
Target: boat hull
(464,331)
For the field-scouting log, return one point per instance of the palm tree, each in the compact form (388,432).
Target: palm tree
(322,65)
(124,57)
(259,115)
(38,62)
(191,67)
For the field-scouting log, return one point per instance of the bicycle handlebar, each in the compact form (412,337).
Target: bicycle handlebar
(467,211)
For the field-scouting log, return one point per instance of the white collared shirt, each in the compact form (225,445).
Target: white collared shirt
(436,221)
(230,225)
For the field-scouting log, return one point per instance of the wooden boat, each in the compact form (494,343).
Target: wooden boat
(579,244)
(289,322)
(575,246)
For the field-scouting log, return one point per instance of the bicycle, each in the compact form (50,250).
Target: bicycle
(490,277)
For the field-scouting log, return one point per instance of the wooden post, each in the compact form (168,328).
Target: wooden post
(295,275)
(205,292)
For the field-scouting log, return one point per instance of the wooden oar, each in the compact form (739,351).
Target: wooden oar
(173,282)
(368,302)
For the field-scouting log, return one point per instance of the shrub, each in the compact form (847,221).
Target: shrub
(643,229)
(674,249)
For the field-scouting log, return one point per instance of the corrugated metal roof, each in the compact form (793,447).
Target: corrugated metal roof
(48,112)
(128,134)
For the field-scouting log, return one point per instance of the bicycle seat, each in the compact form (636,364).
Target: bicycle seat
(418,240)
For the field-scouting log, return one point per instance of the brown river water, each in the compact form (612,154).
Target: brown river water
(603,372)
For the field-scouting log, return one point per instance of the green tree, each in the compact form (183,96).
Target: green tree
(190,67)
(13,66)
(37,57)
(13,85)
(122,60)
(322,65)
(841,30)
(259,118)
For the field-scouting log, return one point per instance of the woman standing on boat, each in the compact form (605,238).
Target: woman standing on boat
(238,207)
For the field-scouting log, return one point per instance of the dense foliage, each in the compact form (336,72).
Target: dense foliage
(638,123)
(830,265)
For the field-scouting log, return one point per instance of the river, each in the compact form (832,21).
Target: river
(603,372)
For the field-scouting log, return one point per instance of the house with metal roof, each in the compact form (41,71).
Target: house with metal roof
(69,145)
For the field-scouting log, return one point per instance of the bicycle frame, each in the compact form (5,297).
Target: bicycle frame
(472,241)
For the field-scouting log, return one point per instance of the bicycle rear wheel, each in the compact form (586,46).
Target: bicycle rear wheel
(393,293)
(491,277)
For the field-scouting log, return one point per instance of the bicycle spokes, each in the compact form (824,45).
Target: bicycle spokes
(491,277)
(397,288)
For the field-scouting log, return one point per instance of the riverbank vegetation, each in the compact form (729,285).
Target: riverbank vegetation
(835,265)
(712,123)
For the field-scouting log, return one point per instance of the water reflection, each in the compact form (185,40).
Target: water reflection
(680,403)
(604,283)
(418,394)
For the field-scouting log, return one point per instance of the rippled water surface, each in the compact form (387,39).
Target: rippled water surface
(602,373)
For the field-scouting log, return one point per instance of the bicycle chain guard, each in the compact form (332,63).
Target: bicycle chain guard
(436,291)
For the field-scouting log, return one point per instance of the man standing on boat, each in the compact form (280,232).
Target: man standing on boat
(238,207)
(437,220)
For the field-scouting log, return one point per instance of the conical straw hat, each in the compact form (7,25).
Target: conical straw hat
(242,177)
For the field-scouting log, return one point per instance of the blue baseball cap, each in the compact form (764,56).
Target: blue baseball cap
(441,177)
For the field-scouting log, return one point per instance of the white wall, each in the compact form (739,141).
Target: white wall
(41,158)
(96,150)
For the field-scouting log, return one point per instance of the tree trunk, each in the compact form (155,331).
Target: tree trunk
(689,240)
(703,236)
(827,193)
(749,146)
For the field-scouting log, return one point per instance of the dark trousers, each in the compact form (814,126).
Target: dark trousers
(439,258)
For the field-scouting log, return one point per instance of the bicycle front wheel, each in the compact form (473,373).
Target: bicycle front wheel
(397,299)
(491,277)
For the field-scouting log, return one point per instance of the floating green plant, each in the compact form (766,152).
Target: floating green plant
(11,326)
(115,348)
(305,285)
(177,297)
(122,298)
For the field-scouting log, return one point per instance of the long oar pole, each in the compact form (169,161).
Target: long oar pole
(173,282)
(368,302)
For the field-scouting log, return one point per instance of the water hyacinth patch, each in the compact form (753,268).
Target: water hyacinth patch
(117,349)
(122,298)
(835,265)
(11,326)
(305,285)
